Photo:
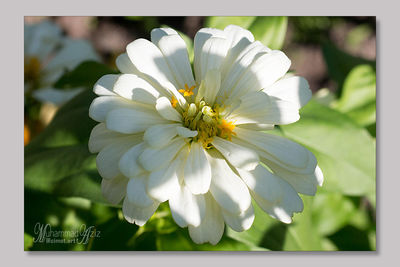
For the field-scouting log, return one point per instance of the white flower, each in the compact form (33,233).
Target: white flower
(200,143)
(47,55)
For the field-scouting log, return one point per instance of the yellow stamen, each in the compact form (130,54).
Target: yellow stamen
(187,91)
(226,129)
(174,101)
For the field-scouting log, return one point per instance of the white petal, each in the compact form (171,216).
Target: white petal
(153,159)
(164,184)
(212,226)
(258,107)
(124,64)
(264,183)
(136,192)
(197,170)
(104,86)
(128,164)
(319,175)
(156,36)
(158,33)
(102,105)
(149,60)
(114,189)
(303,183)
(232,73)
(251,104)
(125,120)
(226,187)
(166,110)
(239,39)
(135,88)
(276,148)
(237,34)
(199,40)
(136,214)
(101,137)
(293,89)
(187,208)
(185,132)
(257,126)
(108,158)
(280,112)
(274,195)
(275,63)
(238,156)
(173,47)
(212,54)
(212,82)
(239,222)
(160,135)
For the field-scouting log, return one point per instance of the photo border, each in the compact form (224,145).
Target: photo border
(388,129)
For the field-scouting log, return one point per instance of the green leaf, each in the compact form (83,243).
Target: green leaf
(222,22)
(358,35)
(68,171)
(372,240)
(69,129)
(301,234)
(70,126)
(181,241)
(350,238)
(85,75)
(28,241)
(115,235)
(340,63)
(271,234)
(345,151)
(358,98)
(331,212)
(270,31)
(82,100)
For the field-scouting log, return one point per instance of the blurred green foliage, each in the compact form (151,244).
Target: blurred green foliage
(270,31)
(358,99)
(62,186)
(340,63)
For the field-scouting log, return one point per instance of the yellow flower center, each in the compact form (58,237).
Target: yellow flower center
(187,91)
(204,119)
(226,129)
(174,101)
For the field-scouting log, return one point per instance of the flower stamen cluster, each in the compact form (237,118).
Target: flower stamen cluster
(188,91)
(205,119)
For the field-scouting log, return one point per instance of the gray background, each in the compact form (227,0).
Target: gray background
(11,112)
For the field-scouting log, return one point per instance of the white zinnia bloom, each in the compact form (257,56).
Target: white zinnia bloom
(199,142)
(47,56)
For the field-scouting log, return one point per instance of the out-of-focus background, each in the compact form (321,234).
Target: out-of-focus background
(336,55)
